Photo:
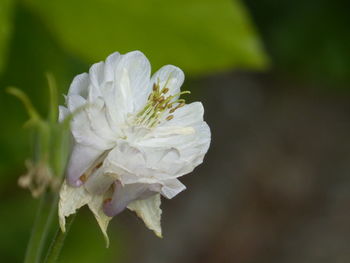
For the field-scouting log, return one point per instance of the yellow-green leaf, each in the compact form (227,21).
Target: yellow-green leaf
(200,36)
(6,13)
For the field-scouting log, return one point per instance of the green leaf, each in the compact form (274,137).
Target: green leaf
(6,11)
(200,36)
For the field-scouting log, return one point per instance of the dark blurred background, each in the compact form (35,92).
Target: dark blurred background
(273,77)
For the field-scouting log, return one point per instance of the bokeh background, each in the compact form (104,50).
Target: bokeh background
(274,80)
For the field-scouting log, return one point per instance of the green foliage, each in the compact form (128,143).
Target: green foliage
(200,36)
(6,12)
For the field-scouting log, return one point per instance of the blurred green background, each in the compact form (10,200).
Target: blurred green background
(273,77)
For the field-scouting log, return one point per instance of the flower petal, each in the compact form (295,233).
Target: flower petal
(98,121)
(186,116)
(175,148)
(99,182)
(96,206)
(81,159)
(84,133)
(71,199)
(172,187)
(130,87)
(96,74)
(133,73)
(111,65)
(80,85)
(63,112)
(170,77)
(75,101)
(149,211)
(124,195)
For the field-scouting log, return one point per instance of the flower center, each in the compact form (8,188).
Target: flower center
(159,104)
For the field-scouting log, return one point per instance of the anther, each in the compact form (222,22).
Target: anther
(155,86)
(181,105)
(165,90)
(169,117)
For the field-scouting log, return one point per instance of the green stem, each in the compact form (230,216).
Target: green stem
(43,224)
(47,227)
(58,241)
(31,255)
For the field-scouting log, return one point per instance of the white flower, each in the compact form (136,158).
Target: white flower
(133,138)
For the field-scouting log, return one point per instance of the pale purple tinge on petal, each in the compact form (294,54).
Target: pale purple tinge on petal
(149,211)
(81,159)
(124,195)
(170,76)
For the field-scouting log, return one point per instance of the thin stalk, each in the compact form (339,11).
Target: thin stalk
(31,255)
(47,228)
(58,241)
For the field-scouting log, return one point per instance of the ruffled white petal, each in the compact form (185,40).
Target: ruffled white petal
(170,77)
(111,65)
(99,124)
(84,133)
(186,116)
(133,76)
(80,85)
(149,211)
(75,101)
(179,152)
(96,74)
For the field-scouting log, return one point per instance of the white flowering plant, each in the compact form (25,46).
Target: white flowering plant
(132,141)
(133,137)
